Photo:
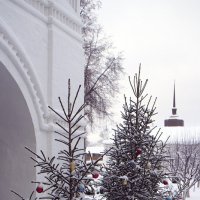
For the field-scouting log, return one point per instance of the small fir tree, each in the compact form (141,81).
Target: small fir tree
(136,162)
(66,176)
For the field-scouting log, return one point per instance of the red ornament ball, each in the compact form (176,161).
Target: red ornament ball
(39,189)
(95,174)
(138,151)
(165,182)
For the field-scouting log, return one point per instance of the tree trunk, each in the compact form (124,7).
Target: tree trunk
(188,193)
(198,184)
(184,196)
(194,187)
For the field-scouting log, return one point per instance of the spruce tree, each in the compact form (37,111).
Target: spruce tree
(135,169)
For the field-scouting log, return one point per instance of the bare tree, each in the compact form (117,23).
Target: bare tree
(102,67)
(185,164)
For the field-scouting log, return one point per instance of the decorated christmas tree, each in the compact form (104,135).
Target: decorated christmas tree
(135,169)
(65,176)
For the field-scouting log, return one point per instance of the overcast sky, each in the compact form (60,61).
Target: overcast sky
(163,35)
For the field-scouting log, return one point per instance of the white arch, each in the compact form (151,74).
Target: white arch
(18,62)
(17,131)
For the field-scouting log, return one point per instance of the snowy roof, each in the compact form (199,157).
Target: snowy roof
(175,133)
(180,133)
(96,149)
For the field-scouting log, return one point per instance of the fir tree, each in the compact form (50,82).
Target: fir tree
(65,176)
(136,162)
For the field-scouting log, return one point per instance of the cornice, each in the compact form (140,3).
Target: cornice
(13,49)
(50,12)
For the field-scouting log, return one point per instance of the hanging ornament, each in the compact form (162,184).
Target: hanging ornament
(138,152)
(132,163)
(77,194)
(72,166)
(168,198)
(148,166)
(81,187)
(39,188)
(159,167)
(175,180)
(165,182)
(95,174)
(125,182)
(101,190)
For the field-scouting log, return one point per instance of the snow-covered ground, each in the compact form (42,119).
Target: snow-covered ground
(195,194)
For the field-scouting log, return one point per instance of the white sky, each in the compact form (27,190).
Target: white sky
(164,35)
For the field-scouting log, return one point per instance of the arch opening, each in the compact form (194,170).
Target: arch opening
(16,132)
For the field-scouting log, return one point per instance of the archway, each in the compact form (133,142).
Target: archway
(16,132)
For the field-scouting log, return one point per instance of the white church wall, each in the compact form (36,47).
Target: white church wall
(41,47)
(66,62)
(17,131)
(31,28)
(31,32)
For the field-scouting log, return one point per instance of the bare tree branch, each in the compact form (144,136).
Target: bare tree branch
(102,67)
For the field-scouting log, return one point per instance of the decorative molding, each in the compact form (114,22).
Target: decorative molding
(15,51)
(74,4)
(51,14)
(49,11)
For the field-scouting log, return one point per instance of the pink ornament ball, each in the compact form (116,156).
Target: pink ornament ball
(95,174)
(138,151)
(165,182)
(39,189)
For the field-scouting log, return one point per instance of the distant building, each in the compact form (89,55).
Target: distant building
(174,119)
(94,153)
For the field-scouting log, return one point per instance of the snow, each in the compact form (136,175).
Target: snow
(96,149)
(180,134)
(194,194)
